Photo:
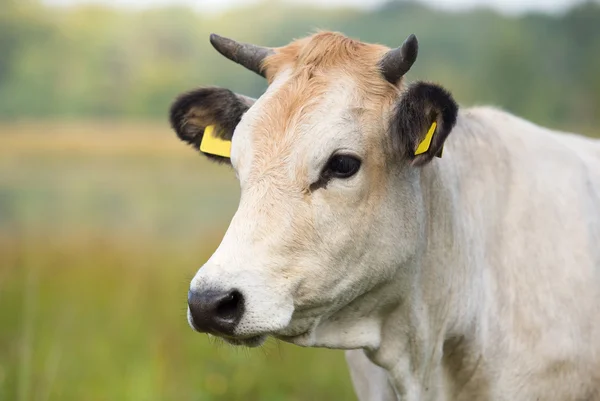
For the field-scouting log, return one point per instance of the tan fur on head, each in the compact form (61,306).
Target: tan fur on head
(315,64)
(331,50)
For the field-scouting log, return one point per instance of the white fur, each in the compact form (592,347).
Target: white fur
(476,277)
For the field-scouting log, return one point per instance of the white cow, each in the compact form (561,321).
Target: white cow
(475,276)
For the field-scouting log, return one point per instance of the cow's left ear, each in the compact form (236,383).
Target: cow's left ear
(421,122)
(192,112)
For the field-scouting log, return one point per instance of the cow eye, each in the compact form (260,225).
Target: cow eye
(342,166)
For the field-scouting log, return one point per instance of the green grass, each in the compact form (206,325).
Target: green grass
(98,244)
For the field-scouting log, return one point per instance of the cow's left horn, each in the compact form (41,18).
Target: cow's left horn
(245,54)
(398,61)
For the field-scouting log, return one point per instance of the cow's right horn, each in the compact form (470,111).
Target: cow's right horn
(245,54)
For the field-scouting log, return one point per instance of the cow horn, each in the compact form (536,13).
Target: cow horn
(398,61)
(246,55)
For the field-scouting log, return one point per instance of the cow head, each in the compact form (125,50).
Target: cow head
(331,206)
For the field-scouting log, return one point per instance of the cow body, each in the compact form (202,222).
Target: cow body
(510,287)
(471,277)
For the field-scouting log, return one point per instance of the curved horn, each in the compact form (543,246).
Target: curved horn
(398,61)
(246,55)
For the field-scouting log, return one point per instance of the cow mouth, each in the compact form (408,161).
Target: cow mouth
(258,340)
(250,342)
(298,333)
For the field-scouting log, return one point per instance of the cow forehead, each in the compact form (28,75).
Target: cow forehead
(287,133)
(301,107)
(322,89)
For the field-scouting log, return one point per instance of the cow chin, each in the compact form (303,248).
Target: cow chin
(297,337)
(250,342)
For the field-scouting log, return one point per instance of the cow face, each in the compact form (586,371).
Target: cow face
(330,204)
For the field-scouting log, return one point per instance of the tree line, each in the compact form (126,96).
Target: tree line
(99,62)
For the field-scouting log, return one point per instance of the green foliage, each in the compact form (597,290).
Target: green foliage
(95,323)
(91,61)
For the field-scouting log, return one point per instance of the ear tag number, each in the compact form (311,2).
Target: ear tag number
(426,142)
(214,145)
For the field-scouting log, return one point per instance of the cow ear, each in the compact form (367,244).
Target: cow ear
(192,112)
(421,122)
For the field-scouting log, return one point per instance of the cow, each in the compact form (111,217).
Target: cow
(449,267)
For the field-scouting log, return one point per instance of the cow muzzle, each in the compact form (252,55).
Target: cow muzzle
(241,305)
(215,312)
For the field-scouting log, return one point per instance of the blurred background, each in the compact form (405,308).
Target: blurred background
(105,216)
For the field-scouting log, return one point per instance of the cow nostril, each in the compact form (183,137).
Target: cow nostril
(215,311)
(230,306)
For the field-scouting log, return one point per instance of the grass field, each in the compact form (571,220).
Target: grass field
(101,228)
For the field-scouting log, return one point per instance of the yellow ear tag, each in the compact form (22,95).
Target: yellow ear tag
(214,145)
(426,142)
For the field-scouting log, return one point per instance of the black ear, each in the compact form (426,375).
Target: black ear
(421,105)
(193,111)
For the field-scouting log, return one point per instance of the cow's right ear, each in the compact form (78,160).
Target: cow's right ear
(193,111)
